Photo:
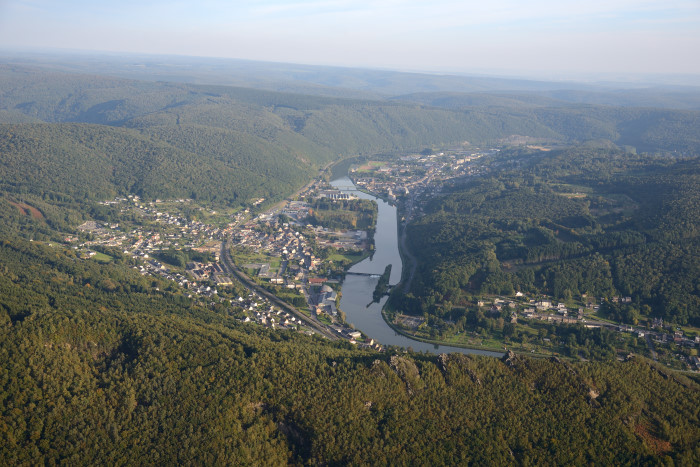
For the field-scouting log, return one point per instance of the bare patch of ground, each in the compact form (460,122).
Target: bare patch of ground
(409,322)
(657,445)
(27,210)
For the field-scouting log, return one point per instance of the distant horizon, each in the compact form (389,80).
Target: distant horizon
(546,39)
(593,78)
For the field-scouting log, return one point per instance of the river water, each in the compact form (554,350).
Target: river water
(357,290)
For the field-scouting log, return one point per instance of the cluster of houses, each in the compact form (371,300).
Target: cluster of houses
(297,210)
(335,194)
(291,245)
(354,337)
(259,311)
(416,173)
(544,310)
(351,240)
(156,268)
(172,230)
(208,272)
(288,243)
(280,240)
(272,318)
(400,187)
(284,242)
(677,337)
(201,279)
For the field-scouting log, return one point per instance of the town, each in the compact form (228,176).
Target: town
(301,263)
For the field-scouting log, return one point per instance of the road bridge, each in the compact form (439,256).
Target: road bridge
(368,274)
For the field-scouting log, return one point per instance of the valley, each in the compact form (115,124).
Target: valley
(188,277)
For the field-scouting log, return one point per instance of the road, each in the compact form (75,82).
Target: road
(411,260)
(650,344)
(231,268)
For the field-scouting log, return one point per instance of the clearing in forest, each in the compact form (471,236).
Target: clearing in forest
(27,210)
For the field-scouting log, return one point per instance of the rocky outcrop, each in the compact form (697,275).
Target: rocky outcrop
(510,359)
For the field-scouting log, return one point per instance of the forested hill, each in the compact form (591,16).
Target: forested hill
(679,98)
(104,366)
(679,92)
(90,136)
(95,162)
(567,224)
(308,131)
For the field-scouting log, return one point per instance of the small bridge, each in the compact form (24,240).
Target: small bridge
(368,274)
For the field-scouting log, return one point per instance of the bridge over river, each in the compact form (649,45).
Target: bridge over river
(371,275)
(368,274)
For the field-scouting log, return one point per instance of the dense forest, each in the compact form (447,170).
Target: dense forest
(443,90)
(567,223)
(323,127)
(102,367)
(87,163)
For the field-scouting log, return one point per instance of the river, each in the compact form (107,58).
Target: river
(357,290)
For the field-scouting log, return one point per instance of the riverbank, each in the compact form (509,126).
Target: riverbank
(407,257)
(495,350)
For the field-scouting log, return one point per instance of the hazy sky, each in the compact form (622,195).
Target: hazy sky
(439,35)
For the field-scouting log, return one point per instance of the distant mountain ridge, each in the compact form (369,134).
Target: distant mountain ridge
(359,83)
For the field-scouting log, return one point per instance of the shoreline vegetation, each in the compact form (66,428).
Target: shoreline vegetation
(403,332)
(382,285)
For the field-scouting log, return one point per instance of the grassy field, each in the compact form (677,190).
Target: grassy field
(241,257)
(534,344)
(351,257)
(369,166)
(218,217)
(102,258)
(324,319)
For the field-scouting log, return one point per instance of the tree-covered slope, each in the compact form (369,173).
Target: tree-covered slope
(567,223)
(332,125)
(96,162)
(102,367)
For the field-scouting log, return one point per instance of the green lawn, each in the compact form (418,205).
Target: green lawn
(325,319)
(102,258)
(241,257)
(352,257)
(370,166)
